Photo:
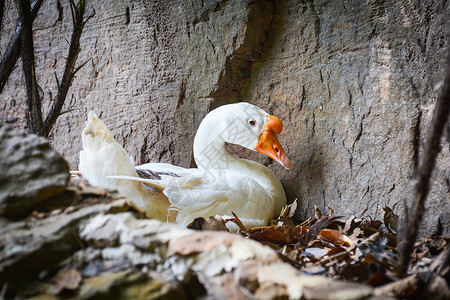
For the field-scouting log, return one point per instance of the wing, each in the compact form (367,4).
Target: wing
(203,193)
(160,173)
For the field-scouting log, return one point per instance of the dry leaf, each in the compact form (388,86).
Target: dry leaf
(215,223)
(239,222)
(351,224)
(196,224)
(335,237)
(317,228)
(335,250)
(390,220)
(392,240)
(317,213)
(276,234)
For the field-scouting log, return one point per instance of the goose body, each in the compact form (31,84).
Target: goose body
(221,184)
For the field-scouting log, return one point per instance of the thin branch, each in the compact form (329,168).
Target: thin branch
(14,49)
(70,70)
(424,171)
(69,110)
(57,80)
(2,10)
(80,66)
(34,112)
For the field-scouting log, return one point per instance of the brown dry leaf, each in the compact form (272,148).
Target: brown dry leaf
(318,213)
(372,223)
(215,223)
(351,224)
(289,210)
(196,224)
(66,279)
(317,228)
(276,234)
(239,222)
(390,220)
(331,212)
(335,250)
(392,240)
(358,272)
(292,209)
(335,237)
(302,231)
(212,223)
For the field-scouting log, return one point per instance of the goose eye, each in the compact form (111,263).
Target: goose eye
(252,122)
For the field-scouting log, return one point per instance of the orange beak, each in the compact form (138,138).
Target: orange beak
(269,145)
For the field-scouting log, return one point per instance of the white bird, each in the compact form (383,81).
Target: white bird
(221,184)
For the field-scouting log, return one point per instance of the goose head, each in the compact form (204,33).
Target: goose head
(242,124)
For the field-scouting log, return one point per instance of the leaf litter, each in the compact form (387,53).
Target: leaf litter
(354,249)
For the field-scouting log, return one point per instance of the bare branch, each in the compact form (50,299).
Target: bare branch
(73,8)
(14,49)
(90,16)
(69,110)
(2,10)
(34,112)
(57,80)
(70,70)
(80,66)
(424,171)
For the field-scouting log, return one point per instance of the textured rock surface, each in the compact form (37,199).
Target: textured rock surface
(31,171)
(356,83)
(147,259)
(353,81)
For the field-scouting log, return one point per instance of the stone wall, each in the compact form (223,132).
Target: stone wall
(353,81)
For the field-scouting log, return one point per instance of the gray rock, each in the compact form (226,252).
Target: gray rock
(29,248)
(31,171)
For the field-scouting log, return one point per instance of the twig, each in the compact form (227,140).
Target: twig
(70,70)
(69,110)
(239,223)
(14,48)
(34,112)
(423,172)
(2,9)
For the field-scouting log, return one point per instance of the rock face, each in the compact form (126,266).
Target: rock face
(31,171)
(353,81)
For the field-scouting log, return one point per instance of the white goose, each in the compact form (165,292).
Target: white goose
(222,183)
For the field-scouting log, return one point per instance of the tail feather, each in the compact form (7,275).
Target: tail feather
(102,155)
(103,159)
(154,183)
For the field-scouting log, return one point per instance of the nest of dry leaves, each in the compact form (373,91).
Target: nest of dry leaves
(352,249)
